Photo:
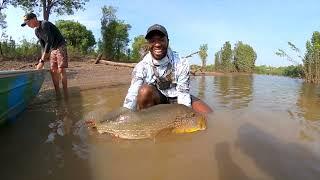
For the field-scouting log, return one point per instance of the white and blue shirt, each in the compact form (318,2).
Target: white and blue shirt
(143,74)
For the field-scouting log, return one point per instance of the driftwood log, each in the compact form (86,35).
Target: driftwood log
(98,58)
(111,63)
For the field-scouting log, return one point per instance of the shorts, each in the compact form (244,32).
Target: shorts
(173,100)
(59,57)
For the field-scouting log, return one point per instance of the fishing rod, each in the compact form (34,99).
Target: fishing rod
(190,55)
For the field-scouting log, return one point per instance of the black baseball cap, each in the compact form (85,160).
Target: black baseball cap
(27,18)
(156,27)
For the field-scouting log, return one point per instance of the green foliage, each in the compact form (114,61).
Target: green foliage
(3,22)
(139,48)
(115,36)
(217,61)
(244,57)
(47,6)
(294,71)
(203,54)
(25,50)
(241,59)
(291,71)
(269,70)
(78,37)
(226,57)
(311,59)
(208,68)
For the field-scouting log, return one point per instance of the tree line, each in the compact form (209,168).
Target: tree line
(242,59)
(239,59)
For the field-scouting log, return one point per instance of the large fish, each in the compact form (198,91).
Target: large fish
(149,122)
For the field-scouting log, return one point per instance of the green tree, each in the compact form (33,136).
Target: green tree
(3,22)
(28,50)
(139,48)
(226,57)
(47,6)
(311,59)
(244,57)
(77,35)
(203,54)
(294,71)
(115,36)
(217,61)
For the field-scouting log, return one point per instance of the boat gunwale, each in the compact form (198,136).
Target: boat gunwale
(10,73)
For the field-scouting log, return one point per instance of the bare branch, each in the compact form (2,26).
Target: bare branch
(282,53)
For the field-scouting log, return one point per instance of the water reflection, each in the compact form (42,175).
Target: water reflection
(228,169)
(202,86)
(309,103)
(279,159)
(51,146)
(234,92)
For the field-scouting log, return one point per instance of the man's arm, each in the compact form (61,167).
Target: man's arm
(183,83)
(130,101)
(42,44)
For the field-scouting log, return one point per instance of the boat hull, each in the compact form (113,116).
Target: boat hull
(17,89)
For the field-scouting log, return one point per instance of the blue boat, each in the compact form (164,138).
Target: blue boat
(17,89)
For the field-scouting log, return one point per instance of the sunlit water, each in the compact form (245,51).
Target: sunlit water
(263,127)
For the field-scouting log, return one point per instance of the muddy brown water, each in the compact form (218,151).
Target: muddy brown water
(263,127)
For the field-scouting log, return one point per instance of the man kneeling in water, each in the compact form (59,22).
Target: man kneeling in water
(161,77)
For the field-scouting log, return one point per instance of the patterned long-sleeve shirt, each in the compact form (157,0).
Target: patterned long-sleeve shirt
(143,73)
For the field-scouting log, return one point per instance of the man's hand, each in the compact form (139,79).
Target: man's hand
(40,65)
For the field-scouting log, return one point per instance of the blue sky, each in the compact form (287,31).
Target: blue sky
(266,25)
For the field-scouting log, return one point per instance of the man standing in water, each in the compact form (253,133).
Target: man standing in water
(161,77)
(53,45)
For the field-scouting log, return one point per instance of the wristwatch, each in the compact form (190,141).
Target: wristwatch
(41,61)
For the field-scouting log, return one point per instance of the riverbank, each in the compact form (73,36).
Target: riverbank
(82,74)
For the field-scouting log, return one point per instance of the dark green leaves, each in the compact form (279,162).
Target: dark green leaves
(77,35)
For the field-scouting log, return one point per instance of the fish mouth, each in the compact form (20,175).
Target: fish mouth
(198,125)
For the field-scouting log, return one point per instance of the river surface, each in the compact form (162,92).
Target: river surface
(263,127)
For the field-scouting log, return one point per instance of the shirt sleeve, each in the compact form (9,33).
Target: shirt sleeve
(42,44)
(130,101)
(183,84)
(48,37)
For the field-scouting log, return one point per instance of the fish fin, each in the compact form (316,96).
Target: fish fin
(164,132)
